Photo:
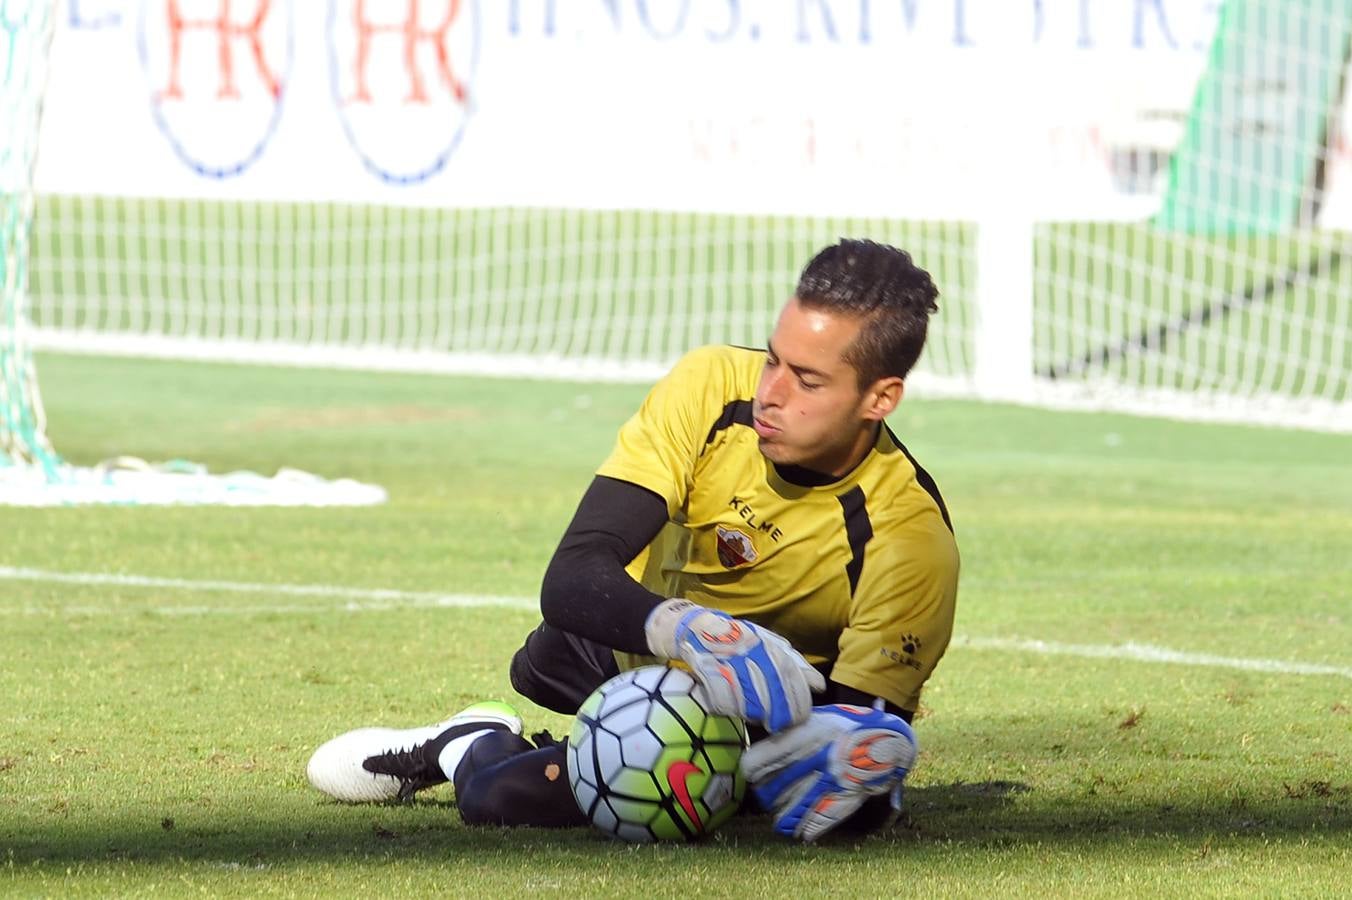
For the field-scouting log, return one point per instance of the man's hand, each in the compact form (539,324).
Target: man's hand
(747,671)
(813,776)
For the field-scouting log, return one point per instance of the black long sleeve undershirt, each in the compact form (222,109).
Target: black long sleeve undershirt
(587,591)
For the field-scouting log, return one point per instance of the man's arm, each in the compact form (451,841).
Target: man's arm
(842,764)
(875,811)
(747,671)
(586,589)
(900,623)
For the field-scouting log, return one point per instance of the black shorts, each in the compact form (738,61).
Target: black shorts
(559,670)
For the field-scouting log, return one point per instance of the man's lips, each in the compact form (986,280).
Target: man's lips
(764,428)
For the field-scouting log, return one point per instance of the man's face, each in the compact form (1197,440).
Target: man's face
(808,409)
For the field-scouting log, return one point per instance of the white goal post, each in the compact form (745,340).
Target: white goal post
(1132,206)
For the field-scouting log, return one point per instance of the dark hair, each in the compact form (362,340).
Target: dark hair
(881,286)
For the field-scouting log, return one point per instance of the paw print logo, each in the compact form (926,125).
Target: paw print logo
(910,644)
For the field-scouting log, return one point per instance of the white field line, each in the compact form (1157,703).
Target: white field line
(1151,654)
(357,599)
(368,600)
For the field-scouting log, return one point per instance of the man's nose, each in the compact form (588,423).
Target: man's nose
(772,390)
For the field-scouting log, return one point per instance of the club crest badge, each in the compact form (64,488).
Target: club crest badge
(735,548)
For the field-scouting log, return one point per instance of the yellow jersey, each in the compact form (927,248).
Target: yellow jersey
(860,574)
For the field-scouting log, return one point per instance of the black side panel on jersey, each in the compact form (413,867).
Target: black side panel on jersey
(737,412)
(924,479)
(858,529)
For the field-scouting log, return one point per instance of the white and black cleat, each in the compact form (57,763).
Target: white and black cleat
(381,764)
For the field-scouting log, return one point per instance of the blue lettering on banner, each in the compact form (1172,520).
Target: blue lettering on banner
(82,19)
(1138,36)
(681,13)
(1138,24)
(960,38)
(908,9)
(548,23)
(1085,41)
(828,24)
(729,30)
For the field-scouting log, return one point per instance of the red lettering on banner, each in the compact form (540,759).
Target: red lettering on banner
(226,31)
(412,33)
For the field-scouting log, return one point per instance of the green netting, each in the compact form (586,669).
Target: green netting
(25,35)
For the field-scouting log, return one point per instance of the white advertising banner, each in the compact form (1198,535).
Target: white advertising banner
(904,108)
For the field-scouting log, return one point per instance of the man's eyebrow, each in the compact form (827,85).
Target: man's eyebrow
(800,371)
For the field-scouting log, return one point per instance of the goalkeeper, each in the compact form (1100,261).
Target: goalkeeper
(759,522)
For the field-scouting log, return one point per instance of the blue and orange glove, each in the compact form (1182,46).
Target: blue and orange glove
(745,670)
(814,776)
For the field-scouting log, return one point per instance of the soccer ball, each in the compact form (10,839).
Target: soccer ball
(647,761)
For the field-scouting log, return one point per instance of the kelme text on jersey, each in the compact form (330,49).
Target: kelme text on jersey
(753,520)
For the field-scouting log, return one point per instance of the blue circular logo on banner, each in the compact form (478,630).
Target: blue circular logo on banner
(217,82)
(402,76)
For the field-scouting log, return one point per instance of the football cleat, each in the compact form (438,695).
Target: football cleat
(381,764)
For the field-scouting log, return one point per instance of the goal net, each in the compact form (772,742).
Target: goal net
(23,44)
(1229,295)
(1131,206)
(31,472)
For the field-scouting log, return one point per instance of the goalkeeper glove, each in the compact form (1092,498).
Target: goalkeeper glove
(815,775)
(746,671)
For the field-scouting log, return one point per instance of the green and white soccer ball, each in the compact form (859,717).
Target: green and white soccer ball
(647,761)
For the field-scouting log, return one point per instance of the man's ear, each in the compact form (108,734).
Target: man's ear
(882,397)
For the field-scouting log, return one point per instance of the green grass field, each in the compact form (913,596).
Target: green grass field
(153,736)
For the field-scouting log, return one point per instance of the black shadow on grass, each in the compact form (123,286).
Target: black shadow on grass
(989,813)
